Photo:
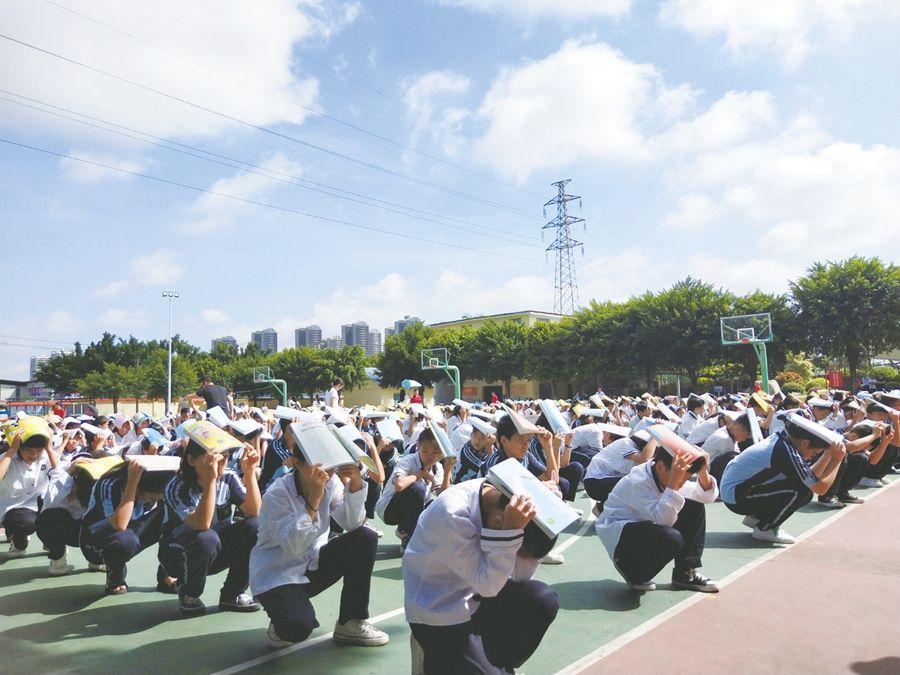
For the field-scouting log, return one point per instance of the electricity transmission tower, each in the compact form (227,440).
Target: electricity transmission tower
(565,296)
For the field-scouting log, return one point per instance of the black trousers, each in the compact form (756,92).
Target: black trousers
(598,489)
(883,467)
(102,544)
(717,466)
(372,497)
(503,633)
(191,555)
(350,557)
(569,477)
(583,456)
(57,528)
(771,503)
(645,548)
(853,468)
(19,523)
(405,508)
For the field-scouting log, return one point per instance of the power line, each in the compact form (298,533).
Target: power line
(288,179)
(31,339)
(255,202)
(277,134)
(311,111)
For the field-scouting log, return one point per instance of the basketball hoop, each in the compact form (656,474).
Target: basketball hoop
(746,341)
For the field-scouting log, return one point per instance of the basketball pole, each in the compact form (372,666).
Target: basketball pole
(763,358)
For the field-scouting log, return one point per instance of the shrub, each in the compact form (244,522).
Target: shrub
(792,388)
(883,373)
(790,377)
(816,383)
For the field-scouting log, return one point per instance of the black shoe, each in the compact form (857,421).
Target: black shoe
(692,580)
(239,603)
(831,502)
(163,587)
(191,606)
(850,499)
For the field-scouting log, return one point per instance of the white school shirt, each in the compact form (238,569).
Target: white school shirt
(703,431)
(688,423)
(59,495)
(406,465)
(452,558)
(332,398)
(453,423)
(288,541)
(416,431)
(23,484)
(587,436)
(637,498)
(718,443)
(612,460)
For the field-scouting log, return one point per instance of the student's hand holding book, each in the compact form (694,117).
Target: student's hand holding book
(207,468)
(681,462)
(134,473)
(318,479)
(351,477)
(518,513)
(250,459)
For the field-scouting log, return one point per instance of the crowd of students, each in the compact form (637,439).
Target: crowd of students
(239,496)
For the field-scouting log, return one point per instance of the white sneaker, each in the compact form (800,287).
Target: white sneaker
(882,482)
(14,552)
(870,483)
(359,632)
(60,567)
(274,638)
(553,558)
(750,521)
(596,510)
(775,536)
(374,529)
(96,568)
(417,655)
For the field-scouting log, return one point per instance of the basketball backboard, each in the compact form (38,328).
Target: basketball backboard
(435,358)
(746,328)
(262,374)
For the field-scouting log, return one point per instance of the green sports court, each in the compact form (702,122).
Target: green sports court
(66,624)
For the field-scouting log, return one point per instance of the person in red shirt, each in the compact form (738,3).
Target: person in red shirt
(57,409)
(494,398)
(416,397)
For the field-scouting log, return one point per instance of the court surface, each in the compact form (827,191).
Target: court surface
(827,604)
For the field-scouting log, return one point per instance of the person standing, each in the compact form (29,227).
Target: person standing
(213,395)
(333,396)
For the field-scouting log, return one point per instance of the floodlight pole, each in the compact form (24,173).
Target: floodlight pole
(171,295)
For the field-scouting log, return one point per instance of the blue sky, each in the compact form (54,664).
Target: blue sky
(731,141)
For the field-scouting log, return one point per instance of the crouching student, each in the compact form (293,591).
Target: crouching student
(654,515)
(470,599)
(200,537)
(417,479)
(614,462)
(25,470)
(769,481)
(475,451)
(723,445)
(123,518)
(864,443)
(294,561)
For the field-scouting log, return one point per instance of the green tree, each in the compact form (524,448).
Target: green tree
(849,309)
(784,330)
(62,372)
(401,358)
(497,352)
(156,374)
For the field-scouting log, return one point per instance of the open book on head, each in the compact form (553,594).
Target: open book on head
(443,440)
(523,424)
(675,444)
(321,444)
(667,412)
(558,424)
(217,416)
(156,462)
(211,438)
(348,435)
(389,430)
(552,514)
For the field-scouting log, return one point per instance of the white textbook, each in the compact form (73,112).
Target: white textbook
(320,445)
(389,430)
(443,441)
(558,424)
(552,514)
(755,431)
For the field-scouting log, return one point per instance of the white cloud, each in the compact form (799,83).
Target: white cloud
(90,174)
(694,212)
(567,9)
(583,101)
(153,269)
(252,43)
(214,316)
(791,29)
(805,195)
(213,213)
(118,318)
(424,96)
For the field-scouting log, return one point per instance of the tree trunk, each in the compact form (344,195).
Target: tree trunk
(508,385)
(115,404)
(853,363)
(137,402)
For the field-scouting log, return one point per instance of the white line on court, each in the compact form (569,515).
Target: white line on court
(374,620)
(650,624)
